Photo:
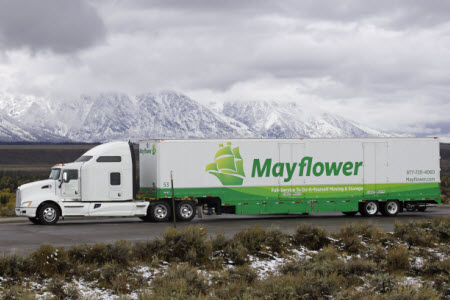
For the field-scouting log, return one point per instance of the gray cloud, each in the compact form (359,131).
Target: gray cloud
(382,63)
(61,26)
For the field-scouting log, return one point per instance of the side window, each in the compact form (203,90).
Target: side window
(71,175)
(114,178)
(109,159)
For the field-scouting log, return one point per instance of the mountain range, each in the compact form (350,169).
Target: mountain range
(167,114)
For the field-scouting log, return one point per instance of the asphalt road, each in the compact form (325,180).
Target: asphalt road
(24,237)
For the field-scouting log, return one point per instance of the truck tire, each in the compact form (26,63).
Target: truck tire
(159,211)
(390,208)
(35,221)
(185,210)
(350,213)
(369,208)
(422,208)
(48,214)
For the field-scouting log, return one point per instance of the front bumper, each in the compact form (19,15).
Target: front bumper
(29,212)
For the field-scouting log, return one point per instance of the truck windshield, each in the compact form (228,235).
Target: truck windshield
(54,174)
(83,158)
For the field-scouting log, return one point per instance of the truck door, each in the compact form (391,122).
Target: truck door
(375,168)
(285,193)
(290,197)
(71,185)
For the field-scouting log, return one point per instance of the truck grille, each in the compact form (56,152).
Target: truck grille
(18,200)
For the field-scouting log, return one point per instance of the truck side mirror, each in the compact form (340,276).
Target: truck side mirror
(65,177)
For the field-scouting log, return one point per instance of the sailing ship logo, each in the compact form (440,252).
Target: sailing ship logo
(228,165)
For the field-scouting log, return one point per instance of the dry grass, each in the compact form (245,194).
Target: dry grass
(197,267)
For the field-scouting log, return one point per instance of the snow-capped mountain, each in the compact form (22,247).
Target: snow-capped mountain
(162,115)
(289,120)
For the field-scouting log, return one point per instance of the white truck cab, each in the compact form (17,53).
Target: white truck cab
(99,183)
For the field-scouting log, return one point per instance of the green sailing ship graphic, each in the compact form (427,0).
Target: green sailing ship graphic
(228,166)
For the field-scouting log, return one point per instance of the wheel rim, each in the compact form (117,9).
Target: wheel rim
(49,214)
(392,208)
(160,211)
(186,211)
(371,208)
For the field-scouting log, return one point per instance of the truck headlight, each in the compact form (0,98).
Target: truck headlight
(28,203)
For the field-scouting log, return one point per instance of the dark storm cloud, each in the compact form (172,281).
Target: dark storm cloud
(61,26)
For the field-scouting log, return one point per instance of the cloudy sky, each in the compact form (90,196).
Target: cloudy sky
(385,64)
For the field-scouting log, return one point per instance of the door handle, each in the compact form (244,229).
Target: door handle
(76,193)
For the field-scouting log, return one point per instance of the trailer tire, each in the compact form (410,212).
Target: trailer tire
(185,210)
(350,213)
(159,212)
(35,221)
(422,208)
(410,207)
(369,208)
(390,208)
(48,214)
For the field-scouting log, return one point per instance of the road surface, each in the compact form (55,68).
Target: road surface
(24,237)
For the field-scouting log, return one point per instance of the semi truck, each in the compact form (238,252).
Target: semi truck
(239,176)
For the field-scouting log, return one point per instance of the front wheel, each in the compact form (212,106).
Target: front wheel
(390,208)
(35,221)
(369,208)
(185,211)
(48,214)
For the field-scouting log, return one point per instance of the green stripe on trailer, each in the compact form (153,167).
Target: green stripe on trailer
(308,198)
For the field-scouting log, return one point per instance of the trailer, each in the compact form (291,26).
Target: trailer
(240,176)
(291,176)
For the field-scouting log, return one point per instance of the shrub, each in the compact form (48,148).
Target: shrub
(358,267)
(313,238)
(441,228)
(412,293)
(58,288)
(244,273)
(398,258)
(433,267)
(236,253)
(12,292)
(49,260)
(259,241)
(146,251)
(383,283)
(302,286)
(219,242)
(97,254)
(179,282)
(14,267)
(416,233)
(350,240)
(119,252)
(188,245)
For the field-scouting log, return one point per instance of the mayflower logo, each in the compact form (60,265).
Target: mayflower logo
(148,151)
(228,166)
